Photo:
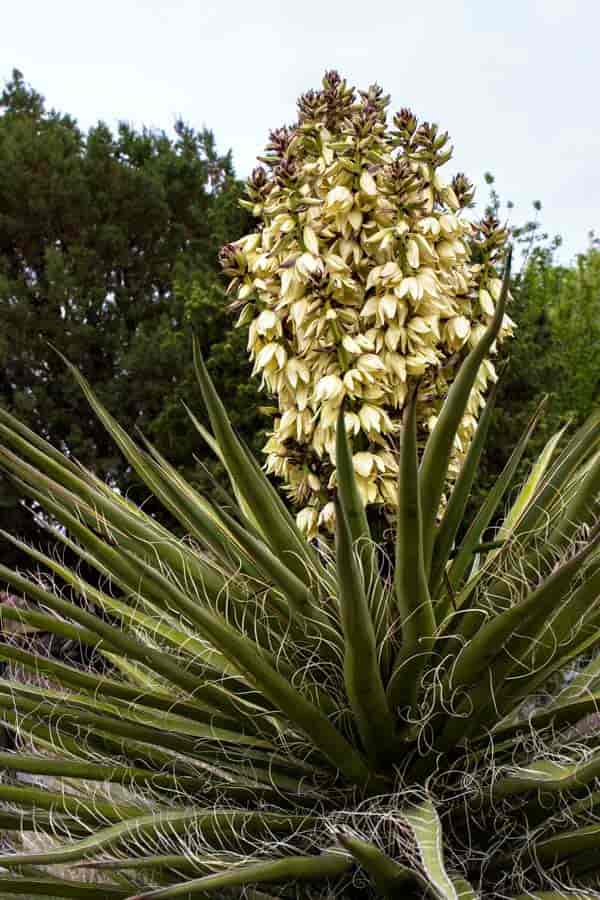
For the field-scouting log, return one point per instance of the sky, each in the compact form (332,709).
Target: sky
(514,83)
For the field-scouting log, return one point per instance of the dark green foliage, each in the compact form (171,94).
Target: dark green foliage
(108,246)
(555,347)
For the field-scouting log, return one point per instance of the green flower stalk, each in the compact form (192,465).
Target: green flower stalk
(362,277)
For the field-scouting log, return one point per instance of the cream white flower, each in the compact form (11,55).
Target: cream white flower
(412,254)
(310,240)
(458,329)
(339,200)
(327,517)
(267,323)
(328,388)
(307,520)
(486,302)
(365,464)
(367,184)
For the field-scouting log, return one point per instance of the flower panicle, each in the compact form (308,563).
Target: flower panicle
(362,276)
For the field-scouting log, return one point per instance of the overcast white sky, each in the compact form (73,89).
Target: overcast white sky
(515,83)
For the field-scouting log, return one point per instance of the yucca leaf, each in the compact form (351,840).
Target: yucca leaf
(584,806)
(197,515)
(362,675)
(164,623)
(474,534)
(547,775)
(14,425)
(26,820)
(354,510)
(410,581)
(206,581)
(59,888)
(424,822)
(244,507)
(110,515)
(99,686)
(434,464)
(124,721)
(580,510)
(114,637)
(90,810)
(563,714)
(529,489)
(458,500)
(464,890)
(287,870)
(135,531)
(140,576)
(534,643)
(177,863)
(212,824)
(585,682)
(556,895)
(182,502)
(565,844)
(534,654)
(222,696)
(53,711)
(135,574)
(300,607)
(74,768)
(274,521)
(131,714)
(584,441)
(164,628)
(168,785)
(36,621)
(586,863)
(477,655)
(389,877)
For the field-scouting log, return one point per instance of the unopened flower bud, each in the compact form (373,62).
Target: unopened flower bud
(405,121)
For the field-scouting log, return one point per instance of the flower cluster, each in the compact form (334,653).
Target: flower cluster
(362,276)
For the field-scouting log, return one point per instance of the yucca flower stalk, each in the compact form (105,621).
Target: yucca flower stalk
(362,275)
(280,718)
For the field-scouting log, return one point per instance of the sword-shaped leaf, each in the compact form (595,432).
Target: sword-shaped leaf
(389,877)
(274,520)
(211,824)
(410,581)
(458,500)
(424,822)
(475,532)
(354,509)
(287,870)
(362,675)
(59,888)
(436,457)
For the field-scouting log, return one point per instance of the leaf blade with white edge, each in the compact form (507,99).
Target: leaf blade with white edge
(427,830)
(486,512)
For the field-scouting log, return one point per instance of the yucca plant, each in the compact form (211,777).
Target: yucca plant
(283,718)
